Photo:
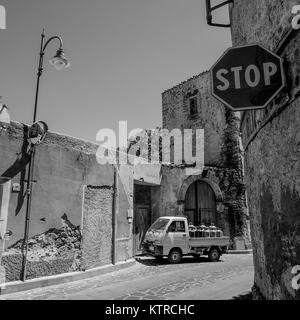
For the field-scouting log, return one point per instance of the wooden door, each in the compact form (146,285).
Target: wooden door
(200,200)
(141,224)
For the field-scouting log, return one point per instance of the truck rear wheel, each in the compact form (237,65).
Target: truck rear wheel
(214,255)
(175,256)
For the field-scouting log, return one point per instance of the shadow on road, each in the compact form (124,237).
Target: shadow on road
(243,296)
(149,261)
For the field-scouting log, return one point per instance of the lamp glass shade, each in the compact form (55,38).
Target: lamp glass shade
(59,61)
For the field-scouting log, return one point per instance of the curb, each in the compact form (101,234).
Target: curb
(249,251)
(18,286)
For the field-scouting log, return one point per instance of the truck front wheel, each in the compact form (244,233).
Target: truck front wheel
(175,256)
(214,255)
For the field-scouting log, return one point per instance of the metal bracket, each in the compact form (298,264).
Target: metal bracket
(32,181)
(210,9)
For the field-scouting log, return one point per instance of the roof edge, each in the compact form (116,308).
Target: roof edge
(185,81)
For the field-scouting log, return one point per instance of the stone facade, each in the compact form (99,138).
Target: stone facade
(271,139)
(222,155)
(210,115)
(72,206)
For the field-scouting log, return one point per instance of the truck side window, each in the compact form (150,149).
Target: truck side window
(177,226)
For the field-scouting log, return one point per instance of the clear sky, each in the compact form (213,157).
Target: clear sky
(123,54)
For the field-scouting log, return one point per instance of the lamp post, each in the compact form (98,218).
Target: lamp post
(60,62)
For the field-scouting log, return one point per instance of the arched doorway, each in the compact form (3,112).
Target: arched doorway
(200,204)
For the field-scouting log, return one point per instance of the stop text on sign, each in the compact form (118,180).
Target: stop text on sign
(252,75)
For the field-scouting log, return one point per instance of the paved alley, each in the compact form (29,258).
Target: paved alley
(232,277)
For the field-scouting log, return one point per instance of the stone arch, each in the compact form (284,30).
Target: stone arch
(191,179)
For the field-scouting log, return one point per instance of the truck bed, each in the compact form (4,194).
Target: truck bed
(207,242)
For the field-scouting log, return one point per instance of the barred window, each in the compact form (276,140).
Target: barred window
(193,104)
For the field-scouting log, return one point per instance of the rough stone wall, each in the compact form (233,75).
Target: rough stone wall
(210,117)
(263,21)
(97,227)
(222,153)
(272,152)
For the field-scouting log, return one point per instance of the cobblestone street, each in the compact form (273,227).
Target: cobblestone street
(230,278)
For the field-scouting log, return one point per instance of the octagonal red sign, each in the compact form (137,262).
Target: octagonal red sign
(247,77)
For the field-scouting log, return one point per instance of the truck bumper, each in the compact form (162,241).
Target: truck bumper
(152,250)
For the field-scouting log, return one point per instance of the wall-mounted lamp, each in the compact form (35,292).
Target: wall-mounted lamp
(210,9)
(37,132)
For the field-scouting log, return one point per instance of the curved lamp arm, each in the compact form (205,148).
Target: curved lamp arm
(50,39)
(41,61)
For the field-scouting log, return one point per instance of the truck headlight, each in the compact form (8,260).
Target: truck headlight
(157,242)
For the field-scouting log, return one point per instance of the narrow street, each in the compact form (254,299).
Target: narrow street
(230,278)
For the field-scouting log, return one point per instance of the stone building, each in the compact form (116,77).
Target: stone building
(271,139)
(218,194)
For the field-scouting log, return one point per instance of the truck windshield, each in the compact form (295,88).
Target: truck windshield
(159,224)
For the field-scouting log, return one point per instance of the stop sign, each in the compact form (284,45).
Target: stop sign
(247,77)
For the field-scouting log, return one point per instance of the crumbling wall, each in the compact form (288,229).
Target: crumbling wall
(272,151)
(52,252)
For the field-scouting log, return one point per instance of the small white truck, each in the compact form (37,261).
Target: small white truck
(172,237)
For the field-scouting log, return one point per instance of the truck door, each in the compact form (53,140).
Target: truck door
(178,236)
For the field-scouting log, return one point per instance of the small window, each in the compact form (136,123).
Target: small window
(193,106)
(177,226)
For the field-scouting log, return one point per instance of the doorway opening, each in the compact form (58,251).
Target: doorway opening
(142,215)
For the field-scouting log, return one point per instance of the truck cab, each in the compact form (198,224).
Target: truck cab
(170,237)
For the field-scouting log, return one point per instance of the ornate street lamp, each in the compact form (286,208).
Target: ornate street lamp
(59,61)
(37,132)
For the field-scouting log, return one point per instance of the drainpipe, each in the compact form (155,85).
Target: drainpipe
(114,214)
